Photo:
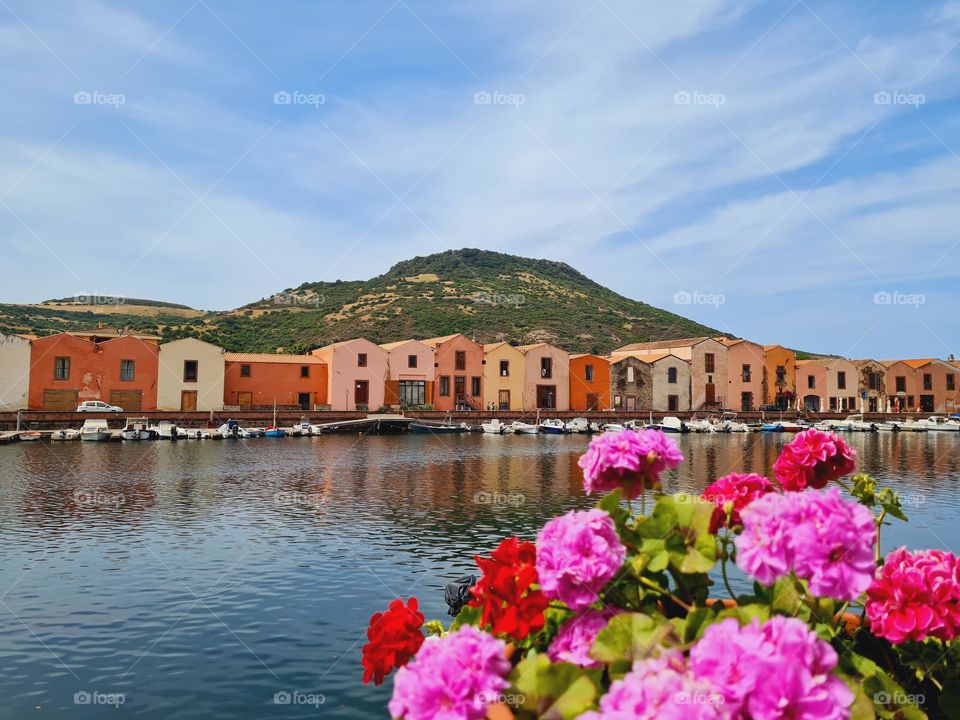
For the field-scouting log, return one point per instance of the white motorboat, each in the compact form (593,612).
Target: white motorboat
(168,430)
(197,434)
(856,423)
(28,436)
(672,424)
(65,434)
(909,425)
(578,425)
(523,428)
(614,427)
(95,431)
(138,429)
(728,423)
(701,425)
(938,423)
(495,427)
(232,429)
(552,427)
(304,427)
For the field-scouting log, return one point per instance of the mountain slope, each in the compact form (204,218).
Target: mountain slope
(487,295)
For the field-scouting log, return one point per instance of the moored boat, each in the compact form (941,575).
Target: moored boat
(495,427)
(29,436)
(671,424)
(65,434)
(938,423)
(552,427)
(138,429)
(523,428)
(437,428)
(579,425)
(95,430)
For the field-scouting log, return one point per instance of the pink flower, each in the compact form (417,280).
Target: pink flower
(735,491)
(813,459)
(818,536)
(452,678)
(780,669)
(575,638)
(660,689)
(915,596)
(577,554)
(631,459)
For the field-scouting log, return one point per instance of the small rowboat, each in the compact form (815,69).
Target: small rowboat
(29,436)
(438,429)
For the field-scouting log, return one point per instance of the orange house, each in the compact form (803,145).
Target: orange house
(66,370)
(589,382)
(458,364)
(260,380)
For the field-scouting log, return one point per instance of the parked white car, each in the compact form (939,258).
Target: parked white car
(97,406)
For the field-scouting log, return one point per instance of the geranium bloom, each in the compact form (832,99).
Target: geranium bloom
(915,596)
(394,637)
(575,638)
(780,669)
(734,492)
(511,606)
(452,678)
(577,554)
(817,535)
(631,459)
(660,689)
(813,459)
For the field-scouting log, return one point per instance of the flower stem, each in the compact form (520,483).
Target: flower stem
(653,586)
(883,514)
(723,566)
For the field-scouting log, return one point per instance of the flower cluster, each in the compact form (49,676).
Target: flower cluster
(813,459)
(511,604)
(631,460)
(575,638)
(731,494)
(455,676)
(780,669)
(816,535)
(577,554)
(915,596)
(394,636)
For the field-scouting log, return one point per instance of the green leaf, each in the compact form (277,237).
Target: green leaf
(632,636)
(555,691)
(467,616)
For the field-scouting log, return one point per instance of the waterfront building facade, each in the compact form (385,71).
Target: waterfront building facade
(458,368)
(872,385)
(745,374)
(14,372)
(258,381)
(779,376)
(811,379)
(356,374)
(589,382)
(842,386)
(546,376)
(936,384)
(410,374)
(669,381)
(631,383)
(503,377)
(707,358)
(191,376)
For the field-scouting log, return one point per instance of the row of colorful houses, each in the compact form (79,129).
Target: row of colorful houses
(138,372)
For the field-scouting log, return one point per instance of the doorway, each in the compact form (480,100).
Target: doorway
(304,400)
(245,400)
(593,401)
(188,400)
(927,403)
(361,392)
(503,400)
(710,391)
(547,397)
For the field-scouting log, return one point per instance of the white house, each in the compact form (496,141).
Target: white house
(14,372)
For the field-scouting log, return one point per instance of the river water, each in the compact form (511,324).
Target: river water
(201,579)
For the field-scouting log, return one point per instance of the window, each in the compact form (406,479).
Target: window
(413,392)
(460,360)
(902,384)
(909,401)
(588,373)
(709,362)
(475,386)
(445,385)
(745,373)
(951,382)
(851,403)
(546,367)
(411,361)
(304,371)
(361,359)
(927,381)
(126,369)
(833,404)
(61,368)
(672,378)
(629,373)
(841,380)
(873,381)
(811,382)
(244,371)
(190,369)
(781,374)
(504,368)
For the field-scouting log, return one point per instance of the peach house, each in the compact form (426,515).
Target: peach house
(811,379)
(779,376)
(902,387)
(356,374)
(842,386)
(708,366)
(458,364)
(546,373)
(744,374)
(262,380)
(410,374)
(589,382)
(936,383)
(67,369)
(503,377)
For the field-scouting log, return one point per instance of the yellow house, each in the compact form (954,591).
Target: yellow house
(191,376)
(779,376)
(503,376)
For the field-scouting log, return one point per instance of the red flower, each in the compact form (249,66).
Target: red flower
(394,638)
(738,489)
(510,604)
(813,459)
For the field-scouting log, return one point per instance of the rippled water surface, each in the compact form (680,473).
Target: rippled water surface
(199,579)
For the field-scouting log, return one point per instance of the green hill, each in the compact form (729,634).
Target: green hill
(486,295)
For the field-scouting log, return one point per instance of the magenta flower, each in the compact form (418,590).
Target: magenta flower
(577,554)
(451,678)
(631,459)
(915,596)
(660,689)
(774,671)
(734,492)
(817,535)
(813,459)
(575,638)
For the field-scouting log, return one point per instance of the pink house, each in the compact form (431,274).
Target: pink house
(546,378)
(812,385)
(357,372)
(410,373)
(744,374)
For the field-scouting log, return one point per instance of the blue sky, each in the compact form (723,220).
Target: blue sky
(785,171)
